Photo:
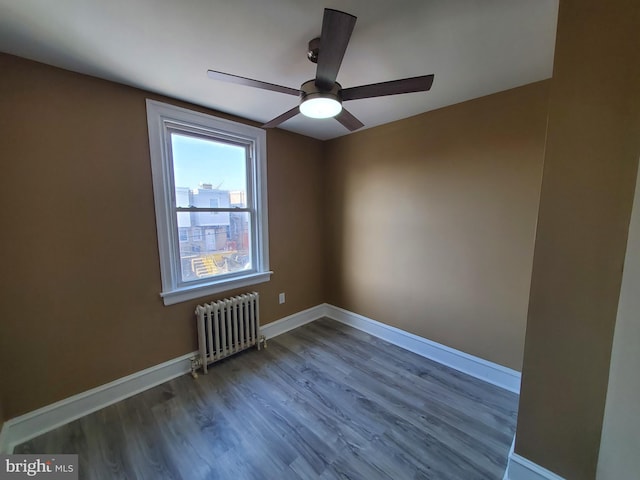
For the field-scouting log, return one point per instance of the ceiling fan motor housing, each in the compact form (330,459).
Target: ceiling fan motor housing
(309,90)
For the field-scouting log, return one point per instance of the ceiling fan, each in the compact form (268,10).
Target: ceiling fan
(322,96)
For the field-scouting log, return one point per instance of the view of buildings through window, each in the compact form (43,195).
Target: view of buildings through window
(214,226)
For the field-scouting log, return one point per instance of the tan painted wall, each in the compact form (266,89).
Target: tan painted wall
(620,441)
(80,283)
(431,221)
(588,183)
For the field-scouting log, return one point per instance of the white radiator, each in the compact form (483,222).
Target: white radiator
(227,326)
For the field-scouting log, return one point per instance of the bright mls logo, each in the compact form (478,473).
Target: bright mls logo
(52,467)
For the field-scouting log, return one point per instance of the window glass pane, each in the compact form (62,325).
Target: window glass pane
(208,173)
(214,244)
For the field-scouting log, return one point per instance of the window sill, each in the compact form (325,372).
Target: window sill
(183,294)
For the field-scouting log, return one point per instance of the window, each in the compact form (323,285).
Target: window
(209,186)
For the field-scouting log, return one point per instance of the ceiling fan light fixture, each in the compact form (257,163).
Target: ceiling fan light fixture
(320,106)
(316,103)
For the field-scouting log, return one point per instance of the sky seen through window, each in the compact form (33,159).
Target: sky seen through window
(196,161)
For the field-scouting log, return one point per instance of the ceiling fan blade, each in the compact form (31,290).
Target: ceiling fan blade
(336,31)
(282,118)
(348,120)
(227,77)
(394,87)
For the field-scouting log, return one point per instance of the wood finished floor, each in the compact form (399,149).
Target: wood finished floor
(324,401)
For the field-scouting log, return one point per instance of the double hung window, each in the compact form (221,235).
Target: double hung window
(209,184)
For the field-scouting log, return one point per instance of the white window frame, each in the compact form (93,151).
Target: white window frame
(163,118)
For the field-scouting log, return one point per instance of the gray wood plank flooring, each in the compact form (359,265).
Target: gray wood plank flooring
(323,401)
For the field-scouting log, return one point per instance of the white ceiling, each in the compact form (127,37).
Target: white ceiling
(474,48)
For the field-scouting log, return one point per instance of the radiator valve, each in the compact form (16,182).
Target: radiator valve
(196,363)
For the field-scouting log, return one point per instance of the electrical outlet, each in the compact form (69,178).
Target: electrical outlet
(281,298)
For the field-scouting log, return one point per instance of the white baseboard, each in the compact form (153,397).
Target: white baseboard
(506,470)
(296,320)
(520,468)
(476,367)
(30,425)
